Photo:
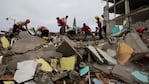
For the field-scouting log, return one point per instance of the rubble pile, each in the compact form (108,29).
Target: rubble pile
(32,60)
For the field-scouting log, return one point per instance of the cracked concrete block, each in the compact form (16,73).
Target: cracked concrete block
(25,44)
(68,47)
(59,76)
(102,68)
(134,41)
(121,73)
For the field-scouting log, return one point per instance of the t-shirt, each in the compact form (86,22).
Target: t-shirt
(140,29)
(85,28)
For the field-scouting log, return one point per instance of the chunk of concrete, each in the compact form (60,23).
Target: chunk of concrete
(59,76)
(133,40)
(93,50)
(2,69)
(25,71)
(25,44)
(121,73)
(68,47)
(107,57)
(102,68)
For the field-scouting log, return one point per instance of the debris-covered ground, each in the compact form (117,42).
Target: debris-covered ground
(32,60)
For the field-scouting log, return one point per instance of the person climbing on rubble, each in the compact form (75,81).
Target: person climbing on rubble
(99,24)
(43,32)
(104,26)
(140,30)
(62,22)
(19,26)
(87,31)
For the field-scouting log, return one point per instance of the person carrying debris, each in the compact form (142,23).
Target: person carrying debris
(140,30)
(86,29)
(104,26)
(99,27)
(62,22)
(43,32)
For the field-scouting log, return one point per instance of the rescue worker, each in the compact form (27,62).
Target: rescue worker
(86,29)
(104,27)
(62,22)
(43,32)
(99,25)
(19,26)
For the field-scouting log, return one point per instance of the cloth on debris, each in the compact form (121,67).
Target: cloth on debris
(5,42)
(140,76)
(84,70)
(25,71)
(44,65)
(124,52)
(8,82)
(115,29)
(67,63)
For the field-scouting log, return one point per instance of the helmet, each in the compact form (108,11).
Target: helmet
(43,27)
(27,21)
(96,17)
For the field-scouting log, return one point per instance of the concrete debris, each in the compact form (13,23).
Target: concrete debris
(121,73)
(133,40)
(25,71)
(25,44)
(32,60)
(93,50)
(102,68)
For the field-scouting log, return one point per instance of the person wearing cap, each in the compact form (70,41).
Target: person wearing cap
(43,32)
(17,27)
(99,25)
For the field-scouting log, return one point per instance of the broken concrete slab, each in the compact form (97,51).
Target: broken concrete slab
(25,44)
(93,50)
(24,34)
(121,73)
(68,47)
(25,71)
(102,68)
(133,40)
(107,57)
(59,76)
(2,69)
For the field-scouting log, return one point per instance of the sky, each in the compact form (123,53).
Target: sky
(44,12)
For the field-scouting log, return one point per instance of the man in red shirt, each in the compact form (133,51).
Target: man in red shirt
(86,30)
(63,23)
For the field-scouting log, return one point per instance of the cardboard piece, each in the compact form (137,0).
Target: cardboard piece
(124,52)
(44,65)
(68,63)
